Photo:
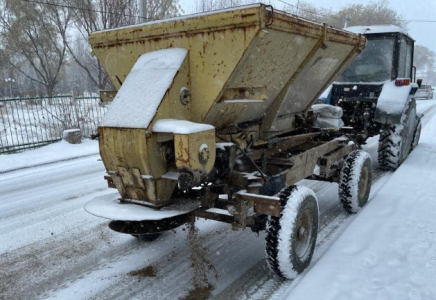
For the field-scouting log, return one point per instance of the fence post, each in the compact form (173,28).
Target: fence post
(73,95)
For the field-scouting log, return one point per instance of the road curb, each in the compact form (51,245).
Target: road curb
(47,163)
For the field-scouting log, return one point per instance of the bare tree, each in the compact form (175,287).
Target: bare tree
(94,15)
(31,35)
(159,9)
(373,13)
(311,12)
(425,60)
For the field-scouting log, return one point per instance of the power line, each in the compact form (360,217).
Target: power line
(325,15)
(422,21)
(87,9)
(151,19)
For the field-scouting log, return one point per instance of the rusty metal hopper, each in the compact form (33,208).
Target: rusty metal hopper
(244,63)
(248,64)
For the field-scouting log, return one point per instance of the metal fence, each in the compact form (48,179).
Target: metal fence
(27,123)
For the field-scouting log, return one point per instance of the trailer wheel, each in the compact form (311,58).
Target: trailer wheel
(416,136)
(395,142)
(355,181)
(147,237)
(291,238)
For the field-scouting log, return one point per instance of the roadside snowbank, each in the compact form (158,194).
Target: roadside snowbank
(424,105)
(47,154)
(389,250)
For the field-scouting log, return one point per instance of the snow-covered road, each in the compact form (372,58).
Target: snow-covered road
(51,248)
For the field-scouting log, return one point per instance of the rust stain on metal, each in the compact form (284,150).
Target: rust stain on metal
(258,59)
(248,15)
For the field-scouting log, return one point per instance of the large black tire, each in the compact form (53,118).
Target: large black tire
(147,237)
(396,141)
(291,238)
(355,181)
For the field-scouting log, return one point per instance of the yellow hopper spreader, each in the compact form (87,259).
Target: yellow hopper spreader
(220,104)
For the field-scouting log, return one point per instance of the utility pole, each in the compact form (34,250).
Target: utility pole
(11,81)
(143,10)
(346,21)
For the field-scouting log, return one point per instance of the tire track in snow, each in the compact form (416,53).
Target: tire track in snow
(225,249)
(43,174)
(228,250)
(42,219)
(64,182)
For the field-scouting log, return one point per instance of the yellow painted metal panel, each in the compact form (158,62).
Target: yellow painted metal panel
(283,60)
(188,148)
(124,147)
(230,49)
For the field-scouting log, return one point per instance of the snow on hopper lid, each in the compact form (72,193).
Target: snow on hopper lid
(139,97)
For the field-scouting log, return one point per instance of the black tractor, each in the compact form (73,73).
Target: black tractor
(377,94)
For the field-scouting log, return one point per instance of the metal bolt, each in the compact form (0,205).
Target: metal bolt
(185,96)
(204,154)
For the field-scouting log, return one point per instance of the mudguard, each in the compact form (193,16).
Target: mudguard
(393,102)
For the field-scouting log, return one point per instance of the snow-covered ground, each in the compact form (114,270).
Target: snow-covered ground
(48,154)
(51,248)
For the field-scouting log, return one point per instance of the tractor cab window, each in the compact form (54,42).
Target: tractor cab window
(405,59)
(374,64)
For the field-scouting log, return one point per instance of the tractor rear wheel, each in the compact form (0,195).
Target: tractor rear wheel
(291,238)
(396,141)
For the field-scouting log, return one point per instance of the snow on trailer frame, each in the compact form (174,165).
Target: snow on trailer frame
(191,123)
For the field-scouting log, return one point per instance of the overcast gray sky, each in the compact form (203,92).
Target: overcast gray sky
(423,33)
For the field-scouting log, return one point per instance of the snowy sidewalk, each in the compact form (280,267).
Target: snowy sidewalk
(56,152)
(389,250)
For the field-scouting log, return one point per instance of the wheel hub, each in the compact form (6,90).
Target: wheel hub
(363,183)
(304,234)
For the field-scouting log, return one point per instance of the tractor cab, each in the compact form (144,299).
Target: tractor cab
(387,57)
